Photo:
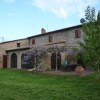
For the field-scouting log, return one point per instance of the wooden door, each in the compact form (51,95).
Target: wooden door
(4,61)
(53,61)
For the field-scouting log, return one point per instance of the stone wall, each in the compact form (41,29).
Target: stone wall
(12,45)
(68,36)
(19,55)
(62,37)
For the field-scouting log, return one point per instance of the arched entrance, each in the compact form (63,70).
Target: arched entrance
(59,61)
(27,62)
(13,60)
(53,61)
(22,60)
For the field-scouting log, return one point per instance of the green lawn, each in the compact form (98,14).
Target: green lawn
(23,85)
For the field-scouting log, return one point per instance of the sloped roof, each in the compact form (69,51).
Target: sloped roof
(60,30)
(13,40)
(51,32)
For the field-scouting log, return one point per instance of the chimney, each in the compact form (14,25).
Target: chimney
(43,31)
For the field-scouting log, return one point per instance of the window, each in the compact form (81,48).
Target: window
(18,44)
(77,33)
(33,41)
(50,38)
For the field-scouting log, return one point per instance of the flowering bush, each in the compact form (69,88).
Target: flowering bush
(35,54)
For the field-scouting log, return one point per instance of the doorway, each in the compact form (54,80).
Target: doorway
(56,57)
(13,60)
(4,61)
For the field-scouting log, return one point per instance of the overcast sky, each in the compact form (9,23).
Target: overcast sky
(24,18)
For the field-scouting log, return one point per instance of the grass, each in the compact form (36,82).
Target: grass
(23,85)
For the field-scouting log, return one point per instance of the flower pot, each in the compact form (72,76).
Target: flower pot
(79,70)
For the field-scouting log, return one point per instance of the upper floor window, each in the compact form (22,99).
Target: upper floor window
(18,44)
(33,41)
(77,33)
(50,38)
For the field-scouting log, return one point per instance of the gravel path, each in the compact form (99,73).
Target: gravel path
(59,72)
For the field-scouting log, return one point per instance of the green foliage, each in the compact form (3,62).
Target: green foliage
(91,44)
(98,17)
(90,14)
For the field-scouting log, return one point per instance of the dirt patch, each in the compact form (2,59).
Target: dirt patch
(60,72)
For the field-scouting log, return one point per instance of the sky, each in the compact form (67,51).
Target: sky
(23,18)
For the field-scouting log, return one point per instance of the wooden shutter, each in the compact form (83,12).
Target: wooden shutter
(77,33)
(18,44)
(33,41)
(4,61)
(50,38)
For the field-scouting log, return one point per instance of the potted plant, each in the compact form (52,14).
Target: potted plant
(79,70)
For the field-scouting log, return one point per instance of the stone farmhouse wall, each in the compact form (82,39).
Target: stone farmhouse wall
(11,45)
(65,37)
(19,55)
(61,38)
(57,37)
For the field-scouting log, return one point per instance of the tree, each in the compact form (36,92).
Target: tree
(36,54)
(91,45)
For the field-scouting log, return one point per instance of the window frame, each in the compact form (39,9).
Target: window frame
(50,38)
(33,41)
(77,33)
(18,44)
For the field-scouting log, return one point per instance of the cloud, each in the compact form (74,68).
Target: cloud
(10,14)
(64,8)
(9,1)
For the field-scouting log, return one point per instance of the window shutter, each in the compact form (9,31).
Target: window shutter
(77,33)
(50,38)
(33,41)
(18,44)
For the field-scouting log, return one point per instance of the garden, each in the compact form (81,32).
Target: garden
(23,85)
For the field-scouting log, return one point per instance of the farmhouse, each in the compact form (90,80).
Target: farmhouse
(11,52)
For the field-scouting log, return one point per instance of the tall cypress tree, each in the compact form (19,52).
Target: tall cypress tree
(91,45)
